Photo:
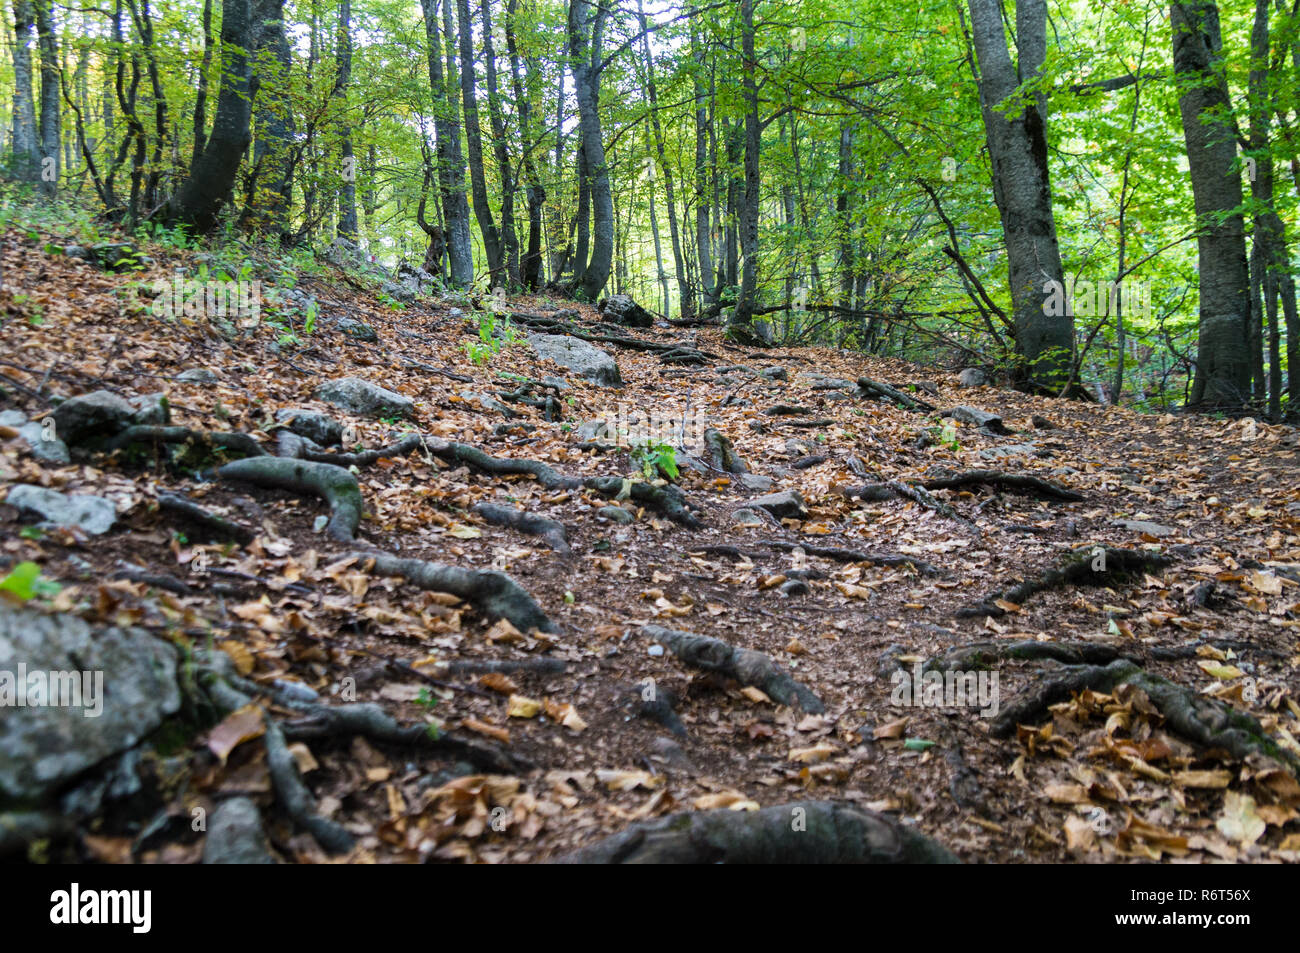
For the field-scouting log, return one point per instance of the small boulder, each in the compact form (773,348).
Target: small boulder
(581,357)
(90,514)
(356,329)
(197,375)
(615,514)
(746,517)
(312,424)
(52,450)
(235,835)
(621,309)
(151,410)
(972,377)
(92,417)
(359,396)
(785,504)
(775,373)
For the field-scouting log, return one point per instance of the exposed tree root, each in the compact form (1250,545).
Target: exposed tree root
(675,353)
(1087,566)
(1201,719)
(666,499)
(879,391)
(535,666)
(332,483)
(720,454)
(746,666)
(493,593)
(802,832)
(826,552)
(292,445)
(210,526)
(1014,482)
(657,705)
(157,580)
(917,494)
(981,655)
(293,794)
(523,521)
(239,443)
(476,459)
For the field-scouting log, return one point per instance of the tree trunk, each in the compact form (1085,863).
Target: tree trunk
(207,189)
(271,185)
(49,128)
(347,227)
(585,33)
(1022,191)
(474,139)
(703,187)
(451,168)
(1223,360)
(26,150)
(746,300)
(530,267)
(509,234)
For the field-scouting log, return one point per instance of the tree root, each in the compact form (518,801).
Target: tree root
(1201,719)
(720,454)
(217,528)
(855,556)
(802,832)
(1014,482)
(983,655)
(552,532)
(294,446)
(476,459)
(293,794)
(670,353)
(332,483)
(240,443)
(1111,566)
(878,391)
(666,499)
(917,494)
(493,593)
(746,666)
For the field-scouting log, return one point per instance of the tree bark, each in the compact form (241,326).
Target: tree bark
(746,302)
(585,30)
(451,168)
(49,122)
(1223,361)
(500,149)
(347,227)
(474,140)
(26,150)
(530,266)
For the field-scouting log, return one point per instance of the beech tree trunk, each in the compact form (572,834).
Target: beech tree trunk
(585,31)
(473,138)
(26,151)
(451,167)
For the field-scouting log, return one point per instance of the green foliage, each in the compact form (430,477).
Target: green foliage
(24,583)
(655,460)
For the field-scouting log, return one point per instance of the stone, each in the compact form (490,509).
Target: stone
(96,416)
(591,431)
(90,514)
(756,482)
(782,505)
(151,410)
(775,373)
(312,424)
(356,329)
(615,514)
(746,517)
(1012,450)
(581,357)
(359,396)
(235,834)
(795,587)
(1146,526)
(110,256)
(12,418)
(53,451)
(43,746)
(197,375)
(1041,423)
(621,309)
(972,377)
(986,421)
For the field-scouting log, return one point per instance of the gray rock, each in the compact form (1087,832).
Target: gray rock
(972,377)
(312,424)
(746,517)
(197,375)
(362,397)
(1146,526)
(356,329)
(91,514)
(795,587)
(756,482)
(581,357)
(590,431)
(92,417)
(621,309)
(775,373)
(399,291)
(787,503)
(151,409)
(615,514)
(1010,450)
(12,418)
(131,688)
(47,451)
(986,421)
(670,754)
(235,835)
(487,401)
(110,256)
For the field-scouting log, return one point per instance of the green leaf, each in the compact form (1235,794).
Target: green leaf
(917,744)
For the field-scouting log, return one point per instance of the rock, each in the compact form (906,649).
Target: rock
(312,424)
(986,421)
(356,329)
(415,280)
(1146,526)
(719,452)
(756,482)
(972,377)
(615,514)
(671,755)
(151,410)
(487,402)
(347,254)
(128,688)
(197,375)
(591,431)
(834,383)
(1041,423)
(786,504)
(621,309)
(746,517)
(235,835)
(362,397)
(92,418)
(795,587)
(775,373)
(47,451)
(399,292)
(1013,450)
(12,418)
(110,256)
(90,514)
(581,357)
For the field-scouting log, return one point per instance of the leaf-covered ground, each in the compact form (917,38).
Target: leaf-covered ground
(1097,777)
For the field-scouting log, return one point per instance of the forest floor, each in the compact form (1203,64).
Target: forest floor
(1100,775)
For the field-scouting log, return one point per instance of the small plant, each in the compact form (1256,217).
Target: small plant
(428,702)
(24,582)
(654,459)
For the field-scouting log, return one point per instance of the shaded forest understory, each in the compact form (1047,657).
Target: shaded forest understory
(344,672)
